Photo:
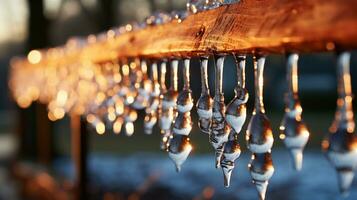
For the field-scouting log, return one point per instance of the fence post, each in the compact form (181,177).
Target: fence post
(79,155)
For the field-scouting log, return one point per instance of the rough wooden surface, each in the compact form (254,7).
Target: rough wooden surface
(250,26)
(265,26)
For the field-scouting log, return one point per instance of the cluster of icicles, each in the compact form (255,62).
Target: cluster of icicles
(110,94)
(71,84)
(50,84)
(138,84)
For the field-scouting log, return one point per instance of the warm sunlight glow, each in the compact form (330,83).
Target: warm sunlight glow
(129,128)
(117,125)
(100,128)
(34,57)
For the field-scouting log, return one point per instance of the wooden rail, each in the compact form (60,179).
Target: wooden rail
(265,26)
(250,26)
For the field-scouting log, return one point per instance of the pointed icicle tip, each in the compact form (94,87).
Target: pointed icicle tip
(178,168)
(297,156)
(261,188)
(227,176)
(345,178)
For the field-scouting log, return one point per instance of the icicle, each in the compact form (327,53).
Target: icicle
(231,152)
(205,102)
(135,77)
(143,85)
(118,102)
(220,128)
(151,111)
(235,115)
(168,106)
(261,169)
(163,90)
(127,91)
(259,135)
(293,130)
(341,144)
(180,147)
(236,110)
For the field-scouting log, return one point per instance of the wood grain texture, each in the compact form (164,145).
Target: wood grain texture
(250,26)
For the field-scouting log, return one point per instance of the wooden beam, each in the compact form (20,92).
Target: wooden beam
(250,26)
(263,26)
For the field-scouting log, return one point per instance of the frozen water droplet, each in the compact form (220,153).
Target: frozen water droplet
(205,125)
(149,122)
(236,110)
(219,128)
(261,188)
(179,146)
(184,101)
(204,106)
(154,101)
(341,144)
(165,139)
(227,176)
(162,92)
(183,124)
(168,102)
(218,152)
(296,155)
(293,130)
(169,99)
(141,83)
(261,169)
(127,91)
(345,178)
(205,102)
(259,135)
(166,118)
(170,96)
(231,152)
(179,149)
(163,77)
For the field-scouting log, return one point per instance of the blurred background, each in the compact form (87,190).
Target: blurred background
(123,167)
